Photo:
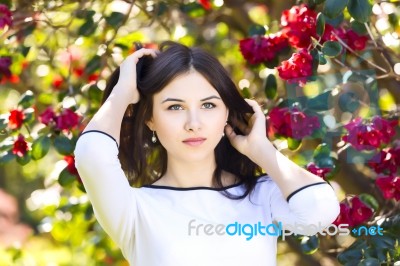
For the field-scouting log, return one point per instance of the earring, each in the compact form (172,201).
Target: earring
(154,138)
(223,133)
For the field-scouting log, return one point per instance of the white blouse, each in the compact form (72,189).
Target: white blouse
(167,226)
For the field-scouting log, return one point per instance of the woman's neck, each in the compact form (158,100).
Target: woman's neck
(196,174)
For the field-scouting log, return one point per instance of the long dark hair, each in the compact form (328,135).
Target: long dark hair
(144,161)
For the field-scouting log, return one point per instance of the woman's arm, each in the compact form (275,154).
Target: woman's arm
(108,118)
(97,162)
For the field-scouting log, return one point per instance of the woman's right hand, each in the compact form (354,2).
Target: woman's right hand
(127,85)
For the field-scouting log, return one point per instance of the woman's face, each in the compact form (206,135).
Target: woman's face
(189,117)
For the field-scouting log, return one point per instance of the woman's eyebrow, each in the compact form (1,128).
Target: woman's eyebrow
(180,100)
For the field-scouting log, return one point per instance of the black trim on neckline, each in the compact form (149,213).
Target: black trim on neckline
(300,189)
(192,188)
(98,131)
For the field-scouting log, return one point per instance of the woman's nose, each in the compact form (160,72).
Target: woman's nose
(193,122)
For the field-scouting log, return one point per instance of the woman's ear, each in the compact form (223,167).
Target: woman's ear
(150,124)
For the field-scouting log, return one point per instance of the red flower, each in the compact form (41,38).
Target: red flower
(57,81)
(359,212)
(319,171)
(389,186)
(20,147)
(259,49)
(299,25)
(291,123)
(15,119)
(385,161)
(5,16)
(67,120)
(70,159)
(353,213)
(47,116)
(355,41)
(79,71)
(344,215)
(206,4)
(297,68)
(5,63)
(370,135)
(351,38)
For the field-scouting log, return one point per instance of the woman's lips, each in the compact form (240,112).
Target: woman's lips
(194,141)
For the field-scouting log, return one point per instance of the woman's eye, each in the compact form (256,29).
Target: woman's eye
(208,105)
(175,107)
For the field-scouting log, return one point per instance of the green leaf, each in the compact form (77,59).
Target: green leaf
(360,10)
(40,147)
(333,8)
(7,157)
(27,99)
(359,27)
(24,159)
(321,102)
(369,262)
(322,59)
(335,21)
(29,115)
(46,98)
(257,29)
(309,245)
(271,87)
(349,102)
(382,242)
(246,93)
(3,123)
(63,145)
(115,19)
(272,63)
(369,200)
(93,65)
(315,55)
(95,93)
(293,144)
(24,50)
(354,253)
(320,24)
(331,48)
(193,9)
(66,178)
(85,14)
(322,150)
(88,28)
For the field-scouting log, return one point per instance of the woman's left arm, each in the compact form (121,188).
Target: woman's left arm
(255,145)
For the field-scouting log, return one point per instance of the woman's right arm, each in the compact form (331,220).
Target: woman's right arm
(96,158)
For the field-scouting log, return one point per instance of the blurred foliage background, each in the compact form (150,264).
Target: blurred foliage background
(55,58)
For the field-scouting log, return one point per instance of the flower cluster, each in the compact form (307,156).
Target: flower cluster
(65,120)
(386,161)
(299,25)
(370,135)
(353,212)
(16,119)
(259,49)
(351,38)
(291,122)
(20,147)
(319,171)
(5,16)
(389,186)
(298,68)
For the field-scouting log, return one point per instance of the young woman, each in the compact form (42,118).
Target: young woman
(195,150)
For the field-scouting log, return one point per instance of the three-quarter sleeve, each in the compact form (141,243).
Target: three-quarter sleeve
(113,199)
(306,211)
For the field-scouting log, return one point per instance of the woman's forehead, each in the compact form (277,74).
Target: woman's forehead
(188,85)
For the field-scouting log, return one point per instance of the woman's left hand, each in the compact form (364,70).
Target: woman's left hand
(255,133)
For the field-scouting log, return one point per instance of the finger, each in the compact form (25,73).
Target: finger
(258,116)
(230,133)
